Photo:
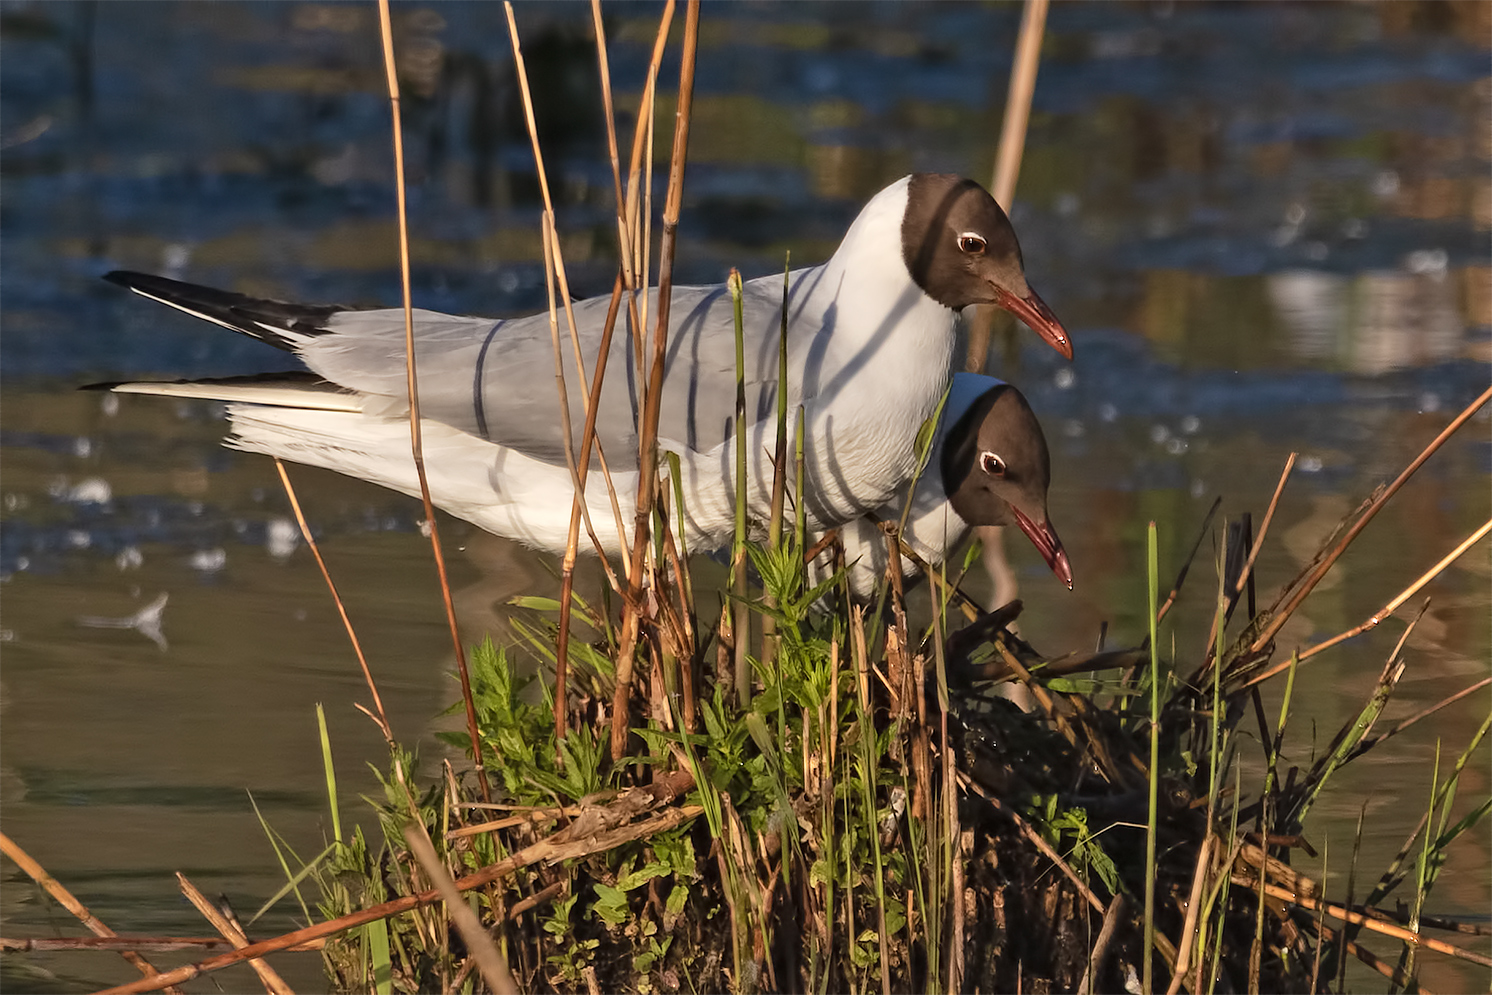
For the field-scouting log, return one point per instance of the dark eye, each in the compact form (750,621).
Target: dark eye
(992,464)
(971,243)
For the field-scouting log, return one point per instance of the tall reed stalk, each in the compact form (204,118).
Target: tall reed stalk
(652,398)
(416,443)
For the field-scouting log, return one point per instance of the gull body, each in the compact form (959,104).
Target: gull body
(870,338)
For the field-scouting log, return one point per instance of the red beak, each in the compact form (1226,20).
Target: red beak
(1034,312)
(1044,538)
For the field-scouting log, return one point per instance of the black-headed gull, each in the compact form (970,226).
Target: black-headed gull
(988,466)
(870,339)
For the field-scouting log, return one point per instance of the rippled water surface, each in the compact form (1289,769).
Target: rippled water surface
(1266,226)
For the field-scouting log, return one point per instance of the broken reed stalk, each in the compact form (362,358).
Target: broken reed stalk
(1282,614)
(1186,565)
(1008,156)
(381,719)
(268,976)
(1389,929)
(1214,648)
(1274,502)
(627,279)
(1393,605)
(416,444)
(562,845)
(647,455)
(155,944)
(609,113)
(1193,905)
(479,944)
(65,898)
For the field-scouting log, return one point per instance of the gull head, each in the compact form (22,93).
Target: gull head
(960,249)
(996,469)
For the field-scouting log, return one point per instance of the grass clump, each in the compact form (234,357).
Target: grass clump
(845,832)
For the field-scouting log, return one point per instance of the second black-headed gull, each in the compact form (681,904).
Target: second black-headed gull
(988,465)
(870,340)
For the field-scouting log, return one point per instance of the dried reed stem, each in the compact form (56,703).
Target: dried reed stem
(479,944)
(155,944)
(1193,906)
(629,279)
(647,456)
(416,443)
(273,983)
(609,112)
(1101,946)
(1366,922)
(1394,605)
(1008,156)
(1283,614)
(381,720)
(1018,102)
(1248,566)
(65,898)
(554,269)
(1036,840)
(563,845)
(1186,566)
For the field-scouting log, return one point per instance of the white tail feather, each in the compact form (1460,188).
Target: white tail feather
(493,487)
(315,397)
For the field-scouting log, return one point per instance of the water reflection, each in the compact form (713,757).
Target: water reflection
(1266,225)
(1374,322)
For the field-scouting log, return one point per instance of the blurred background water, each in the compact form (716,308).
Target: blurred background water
(1266,226)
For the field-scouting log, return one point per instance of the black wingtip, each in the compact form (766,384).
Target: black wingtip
(279,323)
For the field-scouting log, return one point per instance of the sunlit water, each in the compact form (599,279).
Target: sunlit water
(1267,228)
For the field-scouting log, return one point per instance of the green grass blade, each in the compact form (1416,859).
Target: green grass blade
(378,948)
(331,772)
(294,883)
(740,616)
(280,852)
(1153,775)
(1422,872)
(1391,877)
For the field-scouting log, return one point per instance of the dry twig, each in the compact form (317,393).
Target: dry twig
(65,898)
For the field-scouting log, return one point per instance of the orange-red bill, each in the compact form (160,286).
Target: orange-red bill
(1044,538)
(1033,311)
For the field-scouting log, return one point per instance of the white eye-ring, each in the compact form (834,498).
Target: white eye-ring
(991,464)
(971,243)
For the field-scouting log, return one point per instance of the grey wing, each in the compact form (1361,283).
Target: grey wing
(495,378)
(699,392)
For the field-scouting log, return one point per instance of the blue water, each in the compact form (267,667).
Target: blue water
(1267,226)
